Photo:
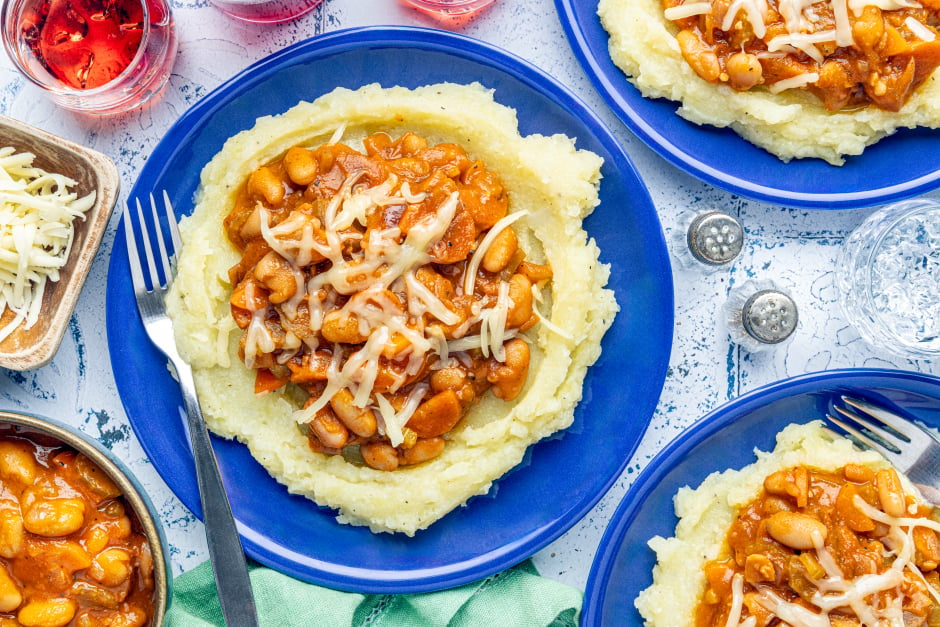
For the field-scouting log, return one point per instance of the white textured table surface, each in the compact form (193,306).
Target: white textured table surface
(795,248)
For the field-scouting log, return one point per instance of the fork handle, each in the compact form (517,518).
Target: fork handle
(225,549)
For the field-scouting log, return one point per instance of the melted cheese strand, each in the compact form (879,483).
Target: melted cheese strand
(683,11)
(394,422)
(337,134)
(790,612)
(756,11)
(793,82)
(470,274)
(737,601)
(840,13)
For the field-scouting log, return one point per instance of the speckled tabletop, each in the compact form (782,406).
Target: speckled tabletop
(795,248)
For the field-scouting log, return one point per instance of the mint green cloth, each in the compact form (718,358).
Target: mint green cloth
(516,597)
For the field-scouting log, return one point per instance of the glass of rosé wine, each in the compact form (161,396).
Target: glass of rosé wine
(92,56)
(449,9)
(265,11)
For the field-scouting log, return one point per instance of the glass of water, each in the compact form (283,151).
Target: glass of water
(888,276)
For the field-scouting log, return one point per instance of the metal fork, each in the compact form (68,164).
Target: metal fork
(225,550)
(908,446)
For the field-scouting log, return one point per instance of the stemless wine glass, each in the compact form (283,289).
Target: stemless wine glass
(888,276)
(99,56)
(450,8)
(265,11)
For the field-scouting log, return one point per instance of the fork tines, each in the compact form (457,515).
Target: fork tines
(881,430)
(167,261)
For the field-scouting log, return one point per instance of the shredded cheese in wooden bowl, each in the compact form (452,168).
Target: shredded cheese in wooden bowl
(56,198)
(37,211)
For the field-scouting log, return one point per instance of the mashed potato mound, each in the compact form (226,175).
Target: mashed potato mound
(545,176)
(791,124)
(706,512)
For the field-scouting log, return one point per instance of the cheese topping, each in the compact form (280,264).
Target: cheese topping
(847,52)
(688,10)
(359,283)
(796,81)
(37,211)
(859,563)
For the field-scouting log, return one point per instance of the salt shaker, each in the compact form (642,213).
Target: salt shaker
(760,315)
(709,240)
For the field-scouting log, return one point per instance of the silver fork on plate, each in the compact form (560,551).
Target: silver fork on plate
(225,549)
(907,445)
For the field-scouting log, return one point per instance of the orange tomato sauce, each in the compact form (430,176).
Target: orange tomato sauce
(71,550)
(848,54)
(858,546)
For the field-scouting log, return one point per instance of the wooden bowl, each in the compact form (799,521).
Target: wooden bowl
(26,349)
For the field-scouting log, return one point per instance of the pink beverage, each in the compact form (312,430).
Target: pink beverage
(94,56)
(84,44)
(265,11)
(448,9)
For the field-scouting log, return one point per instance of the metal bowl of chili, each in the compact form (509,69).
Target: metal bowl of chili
(80,542)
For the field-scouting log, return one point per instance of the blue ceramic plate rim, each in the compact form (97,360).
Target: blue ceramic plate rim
(737,165)
(405,565)
(601,587)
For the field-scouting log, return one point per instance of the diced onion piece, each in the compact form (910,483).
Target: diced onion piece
(919,29)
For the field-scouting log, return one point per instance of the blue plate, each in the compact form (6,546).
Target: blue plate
(903,165)
(535,503)
(725,438)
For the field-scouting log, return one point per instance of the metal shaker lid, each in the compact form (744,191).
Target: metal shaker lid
(769,316)
(715,237)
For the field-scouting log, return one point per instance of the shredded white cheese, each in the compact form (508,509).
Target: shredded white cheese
(796,81)
(800,18)
(37,209)
(840,13)
(470,276)
(383,264)
(834,590)
(688,10)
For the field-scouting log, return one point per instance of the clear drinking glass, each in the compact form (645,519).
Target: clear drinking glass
(888,276)
(265,11)
(92,56)
(450,8)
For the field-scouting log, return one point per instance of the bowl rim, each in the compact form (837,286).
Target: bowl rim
(131,489)
(43,349)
